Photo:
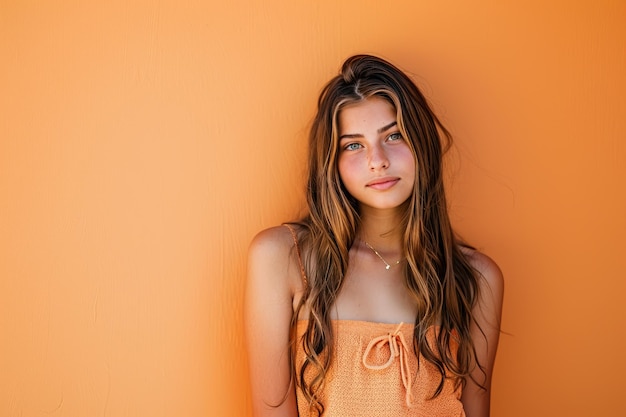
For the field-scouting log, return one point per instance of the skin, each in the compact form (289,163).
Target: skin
(375,163)
(378,169)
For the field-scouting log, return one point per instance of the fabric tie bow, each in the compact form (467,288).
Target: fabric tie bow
(397,348)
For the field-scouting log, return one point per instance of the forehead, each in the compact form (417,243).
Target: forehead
(371,113)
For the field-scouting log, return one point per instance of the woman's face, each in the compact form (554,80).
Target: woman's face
(375,163)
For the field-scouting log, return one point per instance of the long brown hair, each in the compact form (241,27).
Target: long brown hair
(437,274)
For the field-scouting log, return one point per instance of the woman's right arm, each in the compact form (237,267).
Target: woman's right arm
(268,310)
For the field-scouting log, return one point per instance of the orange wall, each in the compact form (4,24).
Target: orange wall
(142,144)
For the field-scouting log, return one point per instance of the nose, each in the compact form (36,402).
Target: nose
(378,158)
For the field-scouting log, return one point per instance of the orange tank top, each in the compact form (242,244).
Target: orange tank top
(375,372)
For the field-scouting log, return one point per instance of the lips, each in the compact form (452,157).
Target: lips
(382,184)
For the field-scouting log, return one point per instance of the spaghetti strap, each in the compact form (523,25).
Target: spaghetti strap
(295,241)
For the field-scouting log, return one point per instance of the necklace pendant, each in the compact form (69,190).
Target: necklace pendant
(387,265)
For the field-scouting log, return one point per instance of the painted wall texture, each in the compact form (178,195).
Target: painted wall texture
(143,144)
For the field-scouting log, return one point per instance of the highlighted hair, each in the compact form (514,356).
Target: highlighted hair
(438,275)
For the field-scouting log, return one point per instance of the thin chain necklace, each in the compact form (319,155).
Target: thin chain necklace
(387,264)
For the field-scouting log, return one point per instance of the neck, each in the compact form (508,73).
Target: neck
(381,229)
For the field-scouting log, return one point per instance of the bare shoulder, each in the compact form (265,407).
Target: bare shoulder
(275,241)
(487,268)
(488,308)
(272,258)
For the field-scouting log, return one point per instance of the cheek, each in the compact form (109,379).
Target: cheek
(404,157)
(408,154)
(342,167)
(345,166)
(408,164)
(411,163)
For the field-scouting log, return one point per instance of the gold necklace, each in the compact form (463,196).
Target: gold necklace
(387,265)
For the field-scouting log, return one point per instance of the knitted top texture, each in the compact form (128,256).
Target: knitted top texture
(375,373)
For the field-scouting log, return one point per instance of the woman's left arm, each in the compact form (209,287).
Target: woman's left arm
(485,333)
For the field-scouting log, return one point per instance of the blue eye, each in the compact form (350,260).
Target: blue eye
(352,146)
(395,136)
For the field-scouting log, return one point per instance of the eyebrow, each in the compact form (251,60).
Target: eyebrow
(359,135)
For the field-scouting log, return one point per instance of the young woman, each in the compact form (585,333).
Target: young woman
(370,306)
